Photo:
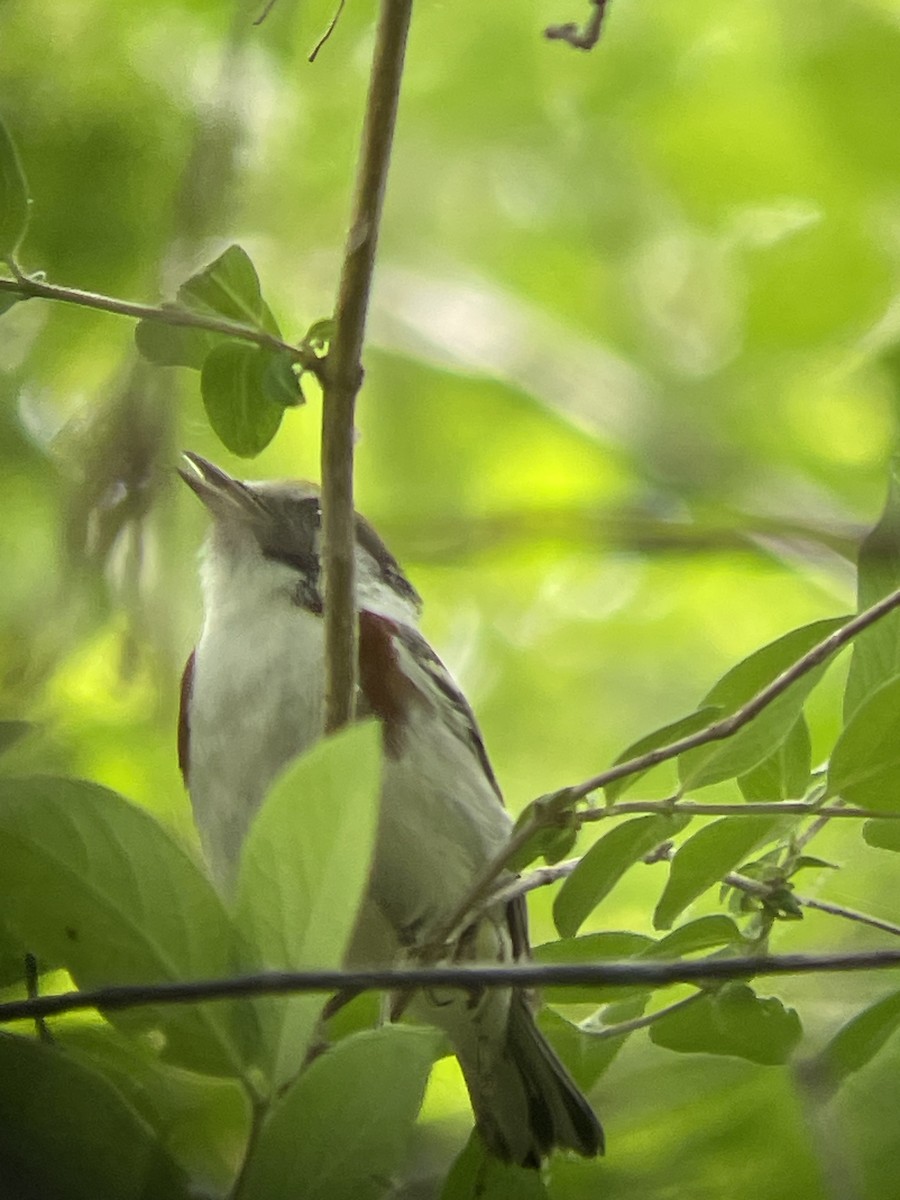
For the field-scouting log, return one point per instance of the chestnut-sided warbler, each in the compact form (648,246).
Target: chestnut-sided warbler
(252,700)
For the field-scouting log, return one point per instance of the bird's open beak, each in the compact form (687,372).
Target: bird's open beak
(219,492)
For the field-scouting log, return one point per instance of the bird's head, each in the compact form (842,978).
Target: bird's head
(266,537)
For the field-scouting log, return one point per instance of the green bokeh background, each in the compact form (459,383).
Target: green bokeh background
(630,398)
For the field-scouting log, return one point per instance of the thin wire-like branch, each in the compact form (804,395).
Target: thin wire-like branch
(849,914)
(581,39)
(531,975)
(31,288)
(343,374)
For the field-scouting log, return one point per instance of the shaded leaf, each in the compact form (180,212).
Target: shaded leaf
(876,651)
(304,870)
(884,835)
(12,732)
(239,409)
(585,1052)
(785,774)
(664,736)
(477,1174)
(591,947)
(732,1020)
(95,884)
(605,864)
(865,762)
(14,202)
(8,299)
(704,933)
(67,1134)
(858,1041)
(756,741)
(342,1127)
(706,857)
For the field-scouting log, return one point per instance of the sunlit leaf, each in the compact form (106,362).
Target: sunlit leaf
(876,651)
(865,763)
(226,289)
(706,857)
(242,414)
(303,873)
(95,884)
(784,775)
(704,933)
(65,1131)
(342,1127)
(14,202)
(756,741)
(732,1020)
(605,864)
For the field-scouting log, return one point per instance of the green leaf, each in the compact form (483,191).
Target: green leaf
(605,864)
(876,651)
(858,1041)
(757,740)
(227,289)
(279,379)
(8,299)
(884,835)
(67,1134)
(865,762)
(583,1047)
(704,933)
(303,873)
(14,202)
(12,732)
(199,1119)
(95,884)
(592,947)
(664,736)
(706,857)
(785,774)
(476,1173)
(342,1127)
(733,1021)
(235,397)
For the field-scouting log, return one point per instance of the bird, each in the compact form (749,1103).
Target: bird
(252,700)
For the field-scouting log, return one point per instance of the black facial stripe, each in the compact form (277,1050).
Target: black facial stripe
(306,593)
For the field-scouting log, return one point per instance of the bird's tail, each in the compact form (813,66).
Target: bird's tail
(525,1102)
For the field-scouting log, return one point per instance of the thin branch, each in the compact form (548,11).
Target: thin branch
(785,808)
(343,374)
(585,39)
(623,1027)
(31,288)
(532,975)
(729,725)
(849,914)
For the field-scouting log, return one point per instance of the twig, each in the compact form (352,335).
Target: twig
(608,974)
(774,808)
(581,40)
(559,802)
(623,1027)
(729,725)
(332,25)
(31,990)
(849,914)
(31,288)
(343,374)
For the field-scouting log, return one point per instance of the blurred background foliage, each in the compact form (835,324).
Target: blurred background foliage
(631,392)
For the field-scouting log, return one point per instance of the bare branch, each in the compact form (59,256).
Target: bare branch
(608,974)
(623,1027)
(775,808)
(343,374)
